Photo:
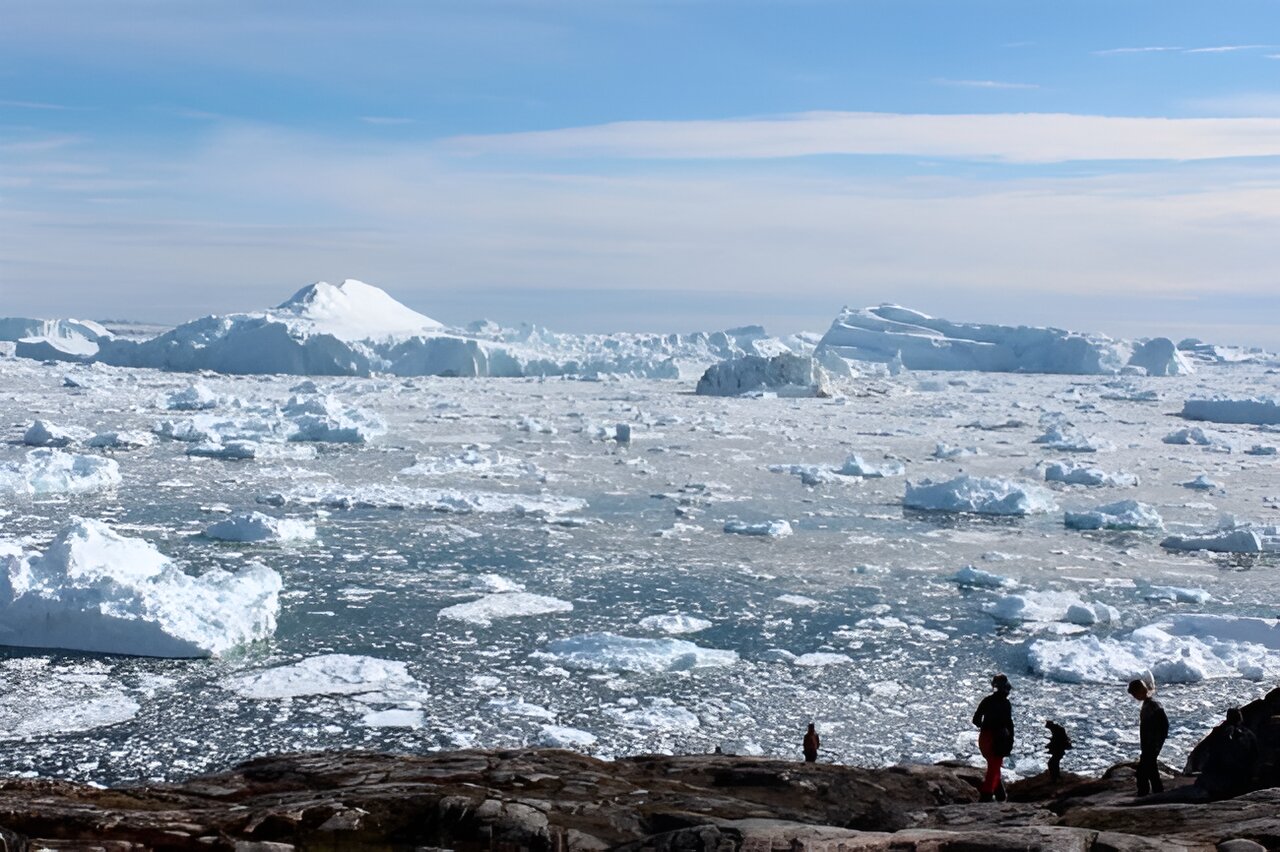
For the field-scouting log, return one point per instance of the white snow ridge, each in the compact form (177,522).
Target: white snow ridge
(95,590)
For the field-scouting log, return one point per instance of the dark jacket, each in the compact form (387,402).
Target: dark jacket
(995,714)
(1059,741)
(1153,726)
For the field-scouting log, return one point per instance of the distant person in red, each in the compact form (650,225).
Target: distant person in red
(810,745)
(994,719)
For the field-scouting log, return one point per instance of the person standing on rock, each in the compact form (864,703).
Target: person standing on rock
(810,744)
(1153,730)
(994,719)
(1059,742)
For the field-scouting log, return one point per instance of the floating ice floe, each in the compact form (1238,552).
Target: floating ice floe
(1262,450)
(1176,594)
(1076,473)
(1229,537)
(52,471)
(785,374)
(855,465)
(42,433)
(810,474)
(484,611)
(122,440)
(946,451)
(767,529)
(921,342)
(1194,435)
(558,736)
(978,495)
(822,659)
(476,460)
(661,714)
(196,397)
(1121,515)
(95,590)
(1202,483)
(1049,606)
(1182,649)
(1068,439)
(610,652)
(337,496)
(1258,411)
(326,674)
(674,624)
(257,527)
(973,576)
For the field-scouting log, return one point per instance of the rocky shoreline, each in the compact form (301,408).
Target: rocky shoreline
(546,800)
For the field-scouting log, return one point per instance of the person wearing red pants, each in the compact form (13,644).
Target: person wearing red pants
(994,719)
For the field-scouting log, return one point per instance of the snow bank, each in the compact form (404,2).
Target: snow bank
(920,342)
(1122,515)
(1258,411)
(786,375)
(978,495)
(484,611)
(326,674)
(52,471)
(1075,473)
(257,527)
(768,529)
(610,652)
(1182,649)
(95,590)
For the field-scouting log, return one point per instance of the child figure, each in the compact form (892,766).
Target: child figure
(1059,742)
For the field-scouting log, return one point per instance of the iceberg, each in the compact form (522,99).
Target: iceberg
(326,674)
(196,397)
(855,465)
(978,495)
(674,624)
(484,611)
(767,529)
(785,374)
(41,433)
(53,340)
(257,527)
(1047,606)
(608,652)
(52,471)
(975,577)
(1122,515)
(122,440)
(917,341)
(1242,540)
(1257,411)
(1075,473)
(95,590)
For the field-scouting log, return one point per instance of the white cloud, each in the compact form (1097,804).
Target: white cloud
(1229,48)
(1117,51)
(1008,137)
(985,84)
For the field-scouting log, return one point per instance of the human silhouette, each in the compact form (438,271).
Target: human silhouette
(811,744)
(1230,758)
(1059,742)
(1153,730)
(994,718)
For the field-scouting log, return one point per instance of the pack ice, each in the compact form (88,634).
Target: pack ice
(52,471)
(95,590)
(894,334)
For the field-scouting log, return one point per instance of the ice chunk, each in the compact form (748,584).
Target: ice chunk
(1122,515)
(767,529)
(1065,438)
(484,611)
(821,659)
(51,471)
(1047,606)
(970,575)
(1217,541)
(1202,483)
(1193,435)
(946,451)
(1159,357)
(1074,473)
(610,652)
(325,419)
(394,717)
(978,495)
(661,714)
(95,590)
(1183,649)
(326,674)
(257,527)
(42,433)
(122,440)
(856,466)
(786,374)
(1177,594)
(558,736)
(1258,411)
(196,397)
(674,624)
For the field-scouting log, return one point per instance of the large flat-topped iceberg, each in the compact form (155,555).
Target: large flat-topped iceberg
(1257,411)
(890,333)
(95,590)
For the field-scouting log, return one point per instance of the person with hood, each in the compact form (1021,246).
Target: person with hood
(810,744)
(1153,730)
(994,718)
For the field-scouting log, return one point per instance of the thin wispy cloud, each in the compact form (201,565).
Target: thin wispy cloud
(1219,48)
(32,105)
(1229,48)
(984,84)
(998,137)
(1116,51)
(385,120)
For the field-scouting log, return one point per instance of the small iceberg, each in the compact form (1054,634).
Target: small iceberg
(978,495)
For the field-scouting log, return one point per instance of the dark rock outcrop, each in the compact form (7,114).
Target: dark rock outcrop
(559,801)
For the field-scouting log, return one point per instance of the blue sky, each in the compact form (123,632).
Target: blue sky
(649,165)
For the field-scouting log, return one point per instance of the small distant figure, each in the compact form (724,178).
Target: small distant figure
(994,718)
(1059,744)
(811,744)
(1153,730)
(1230,758)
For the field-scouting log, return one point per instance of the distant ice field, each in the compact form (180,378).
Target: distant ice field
(580,570)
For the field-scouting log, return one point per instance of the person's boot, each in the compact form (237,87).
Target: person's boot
(985,797)
(1001,795)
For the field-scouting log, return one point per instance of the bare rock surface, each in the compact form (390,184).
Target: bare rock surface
(560,801)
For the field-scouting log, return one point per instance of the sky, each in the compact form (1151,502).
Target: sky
(609,165)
